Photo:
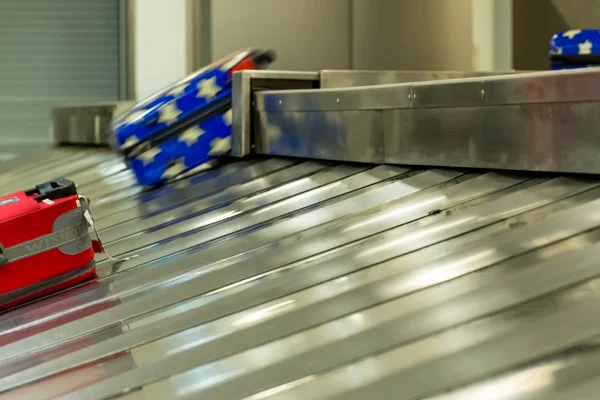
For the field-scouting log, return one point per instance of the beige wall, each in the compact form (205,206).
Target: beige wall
(366,34)
(535,21)
(363,34)
(409,34)
(579,13)
(307,34)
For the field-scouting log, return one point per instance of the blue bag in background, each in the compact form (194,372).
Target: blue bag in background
(185,125)
(575,49)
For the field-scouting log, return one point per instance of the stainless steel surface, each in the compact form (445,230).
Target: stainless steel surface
(353,78)
(247,82)
(241,127)
(289,279)
(570,375)
(531,121)
(355,136)
(194,192)
(370,98)
(84,123)
(136,202)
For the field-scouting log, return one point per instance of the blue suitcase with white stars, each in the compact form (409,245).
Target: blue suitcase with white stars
(575,49)
(185,125)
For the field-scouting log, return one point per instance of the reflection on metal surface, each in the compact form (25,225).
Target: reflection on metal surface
(245,83)
(263,175)
(288,279)
(533,121)
(124,205)
(518,384)
(179,242)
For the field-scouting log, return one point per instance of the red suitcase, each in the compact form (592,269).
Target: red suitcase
(44,241)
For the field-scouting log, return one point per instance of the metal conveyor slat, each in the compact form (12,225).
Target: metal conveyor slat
(286,279)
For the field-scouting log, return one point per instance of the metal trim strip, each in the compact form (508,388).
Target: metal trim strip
(525,88)
(247,82)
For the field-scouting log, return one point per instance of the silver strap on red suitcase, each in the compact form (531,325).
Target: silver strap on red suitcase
(54,240)
(84,202)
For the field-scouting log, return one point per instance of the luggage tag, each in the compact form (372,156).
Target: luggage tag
(84,203)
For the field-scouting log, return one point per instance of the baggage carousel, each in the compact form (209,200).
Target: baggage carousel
(277,278)
(289,278)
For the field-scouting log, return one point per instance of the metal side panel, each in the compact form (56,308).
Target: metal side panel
(542,121)
(85,123)
(288,279)
(245,83)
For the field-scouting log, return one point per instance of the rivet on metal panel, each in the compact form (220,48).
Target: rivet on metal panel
(280,102)
(414,97)
(482,93)
(338,101)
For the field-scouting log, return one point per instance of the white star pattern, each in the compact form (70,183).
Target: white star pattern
(585,47)
(135,116)
(177,90)
(148,156)
(228,117)
(191,135)
(559,50)
(131,140)
(174,170)
(219,146)
(572,33)
(208,88)
(169,113)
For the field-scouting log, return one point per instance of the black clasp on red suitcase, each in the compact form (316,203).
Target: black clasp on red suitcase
(52,190)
